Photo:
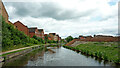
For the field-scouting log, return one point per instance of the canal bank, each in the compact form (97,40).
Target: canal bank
(60,57)
(17,52)
(98,50)
(21,51)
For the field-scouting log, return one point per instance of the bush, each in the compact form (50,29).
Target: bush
(105,57)
(11,36)
(28,44)
(69,38)
(40,40)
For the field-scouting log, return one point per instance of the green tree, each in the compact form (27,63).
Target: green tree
(46,39)
(12,36)
(69,38)
(35,37)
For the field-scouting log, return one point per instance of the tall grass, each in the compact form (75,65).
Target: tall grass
(99,50)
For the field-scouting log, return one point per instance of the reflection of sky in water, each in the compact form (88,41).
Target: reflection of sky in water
(64,57)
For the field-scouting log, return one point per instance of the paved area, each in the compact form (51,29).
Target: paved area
(24,48)
(17,49)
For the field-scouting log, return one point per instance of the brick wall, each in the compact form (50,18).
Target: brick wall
(42,34)
(3,11)
(101,39)
(94,39)
(49,38)
(31,34)
(37,33)
(51,35)
(21,27)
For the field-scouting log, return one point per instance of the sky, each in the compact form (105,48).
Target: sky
(66,17)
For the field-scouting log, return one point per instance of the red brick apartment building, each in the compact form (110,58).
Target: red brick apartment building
(33,31)
(41,33)
(4,13)
(49,38)
(21,27)
(58,38)
(52,35)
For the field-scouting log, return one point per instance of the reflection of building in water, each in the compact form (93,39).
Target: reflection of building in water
(17,61)
(37,55)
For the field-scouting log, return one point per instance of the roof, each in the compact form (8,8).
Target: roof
(32,29)
(20,23)
(53,33)
(102,36)
(80,35)
(10,22)
(45,34)
(57,35)
(40,30)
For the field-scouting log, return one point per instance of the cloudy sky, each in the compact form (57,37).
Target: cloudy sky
(66,17)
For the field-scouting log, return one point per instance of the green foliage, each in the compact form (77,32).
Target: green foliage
(108,53)
(62,41)
(40,40)
(46,38)
(11,37)
(35,37)
(28,44)
(69,38)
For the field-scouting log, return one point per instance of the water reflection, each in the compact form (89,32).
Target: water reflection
(54,56)
(22,60)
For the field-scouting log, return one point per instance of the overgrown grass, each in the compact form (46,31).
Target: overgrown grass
(7,48)
(3,55)
(18,51)
(99,50)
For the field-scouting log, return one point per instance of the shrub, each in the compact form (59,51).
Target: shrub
(12,36)
(105,57)
(28,44)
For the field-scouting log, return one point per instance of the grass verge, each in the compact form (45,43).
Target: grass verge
(107,53)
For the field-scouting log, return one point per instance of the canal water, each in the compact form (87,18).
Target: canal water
(55,57)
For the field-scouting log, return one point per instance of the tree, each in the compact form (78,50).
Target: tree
(46,38)
(35,37)
(69,38)
(12,36)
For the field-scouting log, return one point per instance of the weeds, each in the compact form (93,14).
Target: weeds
(107,53)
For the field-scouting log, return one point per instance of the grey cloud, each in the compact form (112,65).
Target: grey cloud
(45,9)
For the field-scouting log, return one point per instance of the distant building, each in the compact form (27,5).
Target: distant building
(41,33)
(33,31)
(81,37)
(55,38)
(98,36)
(45,35)
(21,27)
(52,35)
(49,38)
(89,37)
(59,38)
(3,11)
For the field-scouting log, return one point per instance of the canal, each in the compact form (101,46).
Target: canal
(55,56)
